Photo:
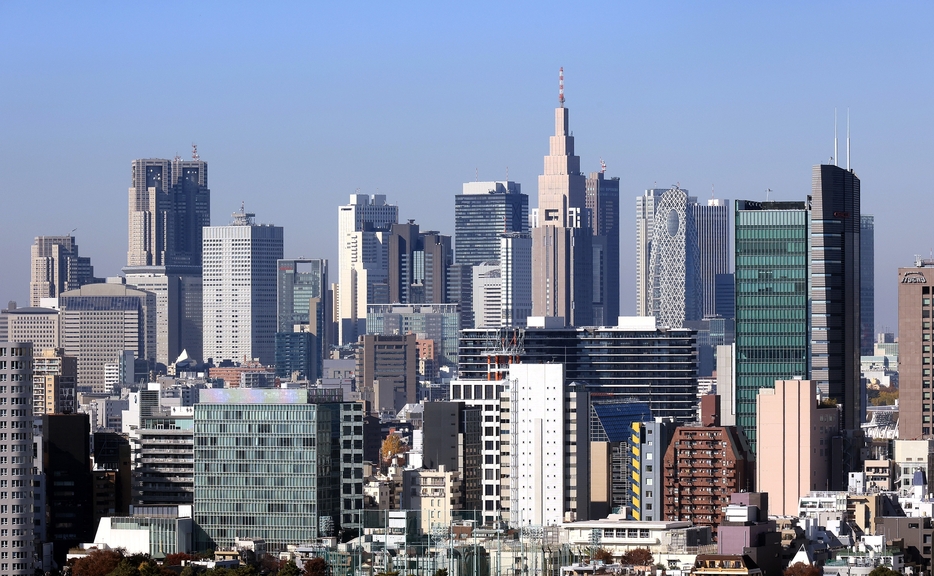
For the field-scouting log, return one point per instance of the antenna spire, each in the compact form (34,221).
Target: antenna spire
(835,154)
(194,152)
(561,86)
(602,166)
(847,138)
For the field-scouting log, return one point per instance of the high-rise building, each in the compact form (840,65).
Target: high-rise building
(602,201)
(794,438)
(386,368)
(562,259)
(515,271)
(69,488)
(266,464)
(648,445)
(240,289)
(435,322)
(454,442)
(610,457)
(169,205)
(41,326)
(915,359)
(483,212)
(867,284)
(16,506)
(674,263)
(302,297)
(55,379)
(487,294)
(645,231)
(835,290)
(56,267)
(417,265)
(712,221)
(179,309)
(772,290)
(102,321)
(363,225)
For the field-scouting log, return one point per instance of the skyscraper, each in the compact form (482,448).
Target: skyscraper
(915,356)
(835,290)
(645,230)
(302,297)
(56,267)
(240,289)
(515,270)
(169,205)
(417,265)
(483,212)
(602,201)
(363,227)
(712,221)
(867,283)
(16,507)
(562,259)
(772,289)
(673,266)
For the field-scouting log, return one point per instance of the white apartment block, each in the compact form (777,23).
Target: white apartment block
(487,294)
(239,283)
(515,264)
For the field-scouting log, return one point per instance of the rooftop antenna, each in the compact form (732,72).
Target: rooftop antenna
(712,196)
(477,172)
(561,86)
(847,138)
(194,152)
(835,154)
(767,192)
(507,173)
(602,166)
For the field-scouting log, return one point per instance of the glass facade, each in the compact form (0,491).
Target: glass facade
(264,466)
(481,214)
(772,328)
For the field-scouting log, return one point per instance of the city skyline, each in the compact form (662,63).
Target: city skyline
(744,123)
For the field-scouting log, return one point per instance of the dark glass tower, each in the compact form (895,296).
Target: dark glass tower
(771,284)
(602,201)
(482,213)
(867,284)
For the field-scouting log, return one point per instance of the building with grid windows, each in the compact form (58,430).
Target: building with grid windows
(302,301)
(483,212)
(267,465)
(867,284)
(16,466)
(772,289)
(915,356)
(56,267)
(239,274)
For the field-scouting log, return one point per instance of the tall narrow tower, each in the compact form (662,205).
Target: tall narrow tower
(561,240)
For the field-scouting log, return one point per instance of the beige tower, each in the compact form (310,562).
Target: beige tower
(561,241)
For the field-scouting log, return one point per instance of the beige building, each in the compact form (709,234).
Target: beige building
(55,377)
(56,267)
(41,326)
(794,435)
(387,371)
(435,493)
(100,321)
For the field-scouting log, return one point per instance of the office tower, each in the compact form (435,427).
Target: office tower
(515,265)
(616,362)
(454,441)
(724,296)
(162,442)
(648,445)
(835,290)
(169,205)
(69,498)
(547,413)
(41,326)
(487,294)
(481,213)
(914,348)
(435,322)
(101,321)
(266,464)
(602,201)
(772,290)
(386,367)
(179,309)
(297,354)
(362,260)
(610,457)
(562,256)
(867,283)
(16,471)
(55,378)
(240,289)
(712,221)
(304,307)
(645,231)
(111,468)
(354,433)
(673,265)
(417,265)
(703,466)
(56,267)
(794,439)
(460,291)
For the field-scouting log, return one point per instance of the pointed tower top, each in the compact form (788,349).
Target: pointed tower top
(561,87)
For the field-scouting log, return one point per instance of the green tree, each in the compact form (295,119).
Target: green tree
(289,568)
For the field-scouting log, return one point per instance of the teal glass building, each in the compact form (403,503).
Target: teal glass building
(267,465)
(772,290)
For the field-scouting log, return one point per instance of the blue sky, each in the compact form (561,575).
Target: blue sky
(297,105)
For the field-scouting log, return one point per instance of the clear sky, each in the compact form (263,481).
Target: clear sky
(297,105)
